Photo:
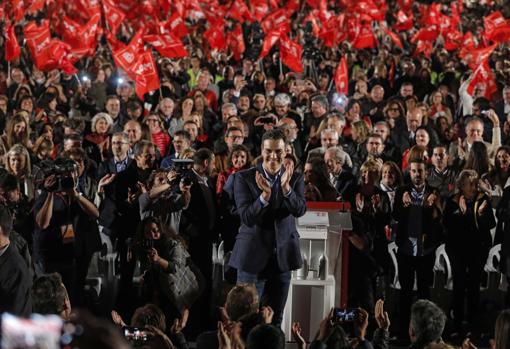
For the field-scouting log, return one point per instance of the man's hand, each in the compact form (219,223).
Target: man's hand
(493,117)
(381,316)
(153,256)
(482,207)
(106,180)
(49,181)
(267,314)
(263,185)
(296,334)
(406,199)
(431,199)
(286,176)
(117,319)
(362,323)
(462,204)
(360,202)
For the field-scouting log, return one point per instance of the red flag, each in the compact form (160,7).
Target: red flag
(113,16)
(369,9)
(455,15)
(365,38)
(404,21)
(145,74)
(259,9)
(18,8)
(474,57)
(452,40)
(429,33)
(290,53)
(216,38)
(270,40)
(497,27)
(115,44)
(12,48)
(35,6)
(167,45)
(236,42)
(276,20)
(176,25)
(342,77)
(424,47)
(240,11)
(483,75)
(394,37)
(125,58)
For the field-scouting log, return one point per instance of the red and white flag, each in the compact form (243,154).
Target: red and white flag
(12,48)
(342,77)
(167,45)
(483,76)
(290,54)
(145,74)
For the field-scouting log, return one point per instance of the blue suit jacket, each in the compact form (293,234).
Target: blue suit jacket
(265,231)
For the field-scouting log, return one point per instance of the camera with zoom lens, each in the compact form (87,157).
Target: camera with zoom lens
(63,170)
(147,244)
(183,169)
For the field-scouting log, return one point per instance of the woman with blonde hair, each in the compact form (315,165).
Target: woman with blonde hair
(97,143)
(17,162)
(17,131)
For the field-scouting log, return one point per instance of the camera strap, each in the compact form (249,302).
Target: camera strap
(67,230)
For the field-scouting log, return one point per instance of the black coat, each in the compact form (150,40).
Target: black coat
(15,284)
(432,232)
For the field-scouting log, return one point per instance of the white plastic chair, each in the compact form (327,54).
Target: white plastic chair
(442,263)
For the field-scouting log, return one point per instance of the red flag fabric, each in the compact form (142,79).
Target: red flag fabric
(125,58)
(276,20)
(497,27)
(259,8)
(167,45)
(474,57)
(215,36)
(12,48)
(37,38)
(236,42)
(423,47)
(342,77)
(145,74)
(483,75)
(176,25)
(429,33)
(35,5)
(365,38)
(290,54)
(113,16)
(270,40)
(394,37)
(240,11)
(452,40)
(18,9)
(404,21)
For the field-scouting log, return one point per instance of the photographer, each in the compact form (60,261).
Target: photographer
(166,196)
(169,279)
(56,213)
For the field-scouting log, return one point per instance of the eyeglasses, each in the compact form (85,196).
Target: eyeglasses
(152,120)
(119,143)
(393,109)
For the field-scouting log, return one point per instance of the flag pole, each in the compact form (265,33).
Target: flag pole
(77,79)
(281,67)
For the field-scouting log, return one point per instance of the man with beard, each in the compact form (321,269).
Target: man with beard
(417,210)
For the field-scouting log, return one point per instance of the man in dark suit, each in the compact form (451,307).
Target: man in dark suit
(502,108)
(15,279)
(417,210)
(197,225)
(268,198)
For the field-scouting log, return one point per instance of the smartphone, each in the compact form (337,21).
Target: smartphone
(344,315)
(135,335)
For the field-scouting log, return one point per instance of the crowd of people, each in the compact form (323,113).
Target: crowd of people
(229,149)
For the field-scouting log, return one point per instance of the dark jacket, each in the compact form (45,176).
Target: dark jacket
(267,230)
(468,231)
(15,284)
(432,233)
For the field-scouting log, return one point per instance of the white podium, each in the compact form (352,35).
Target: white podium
(310,296)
